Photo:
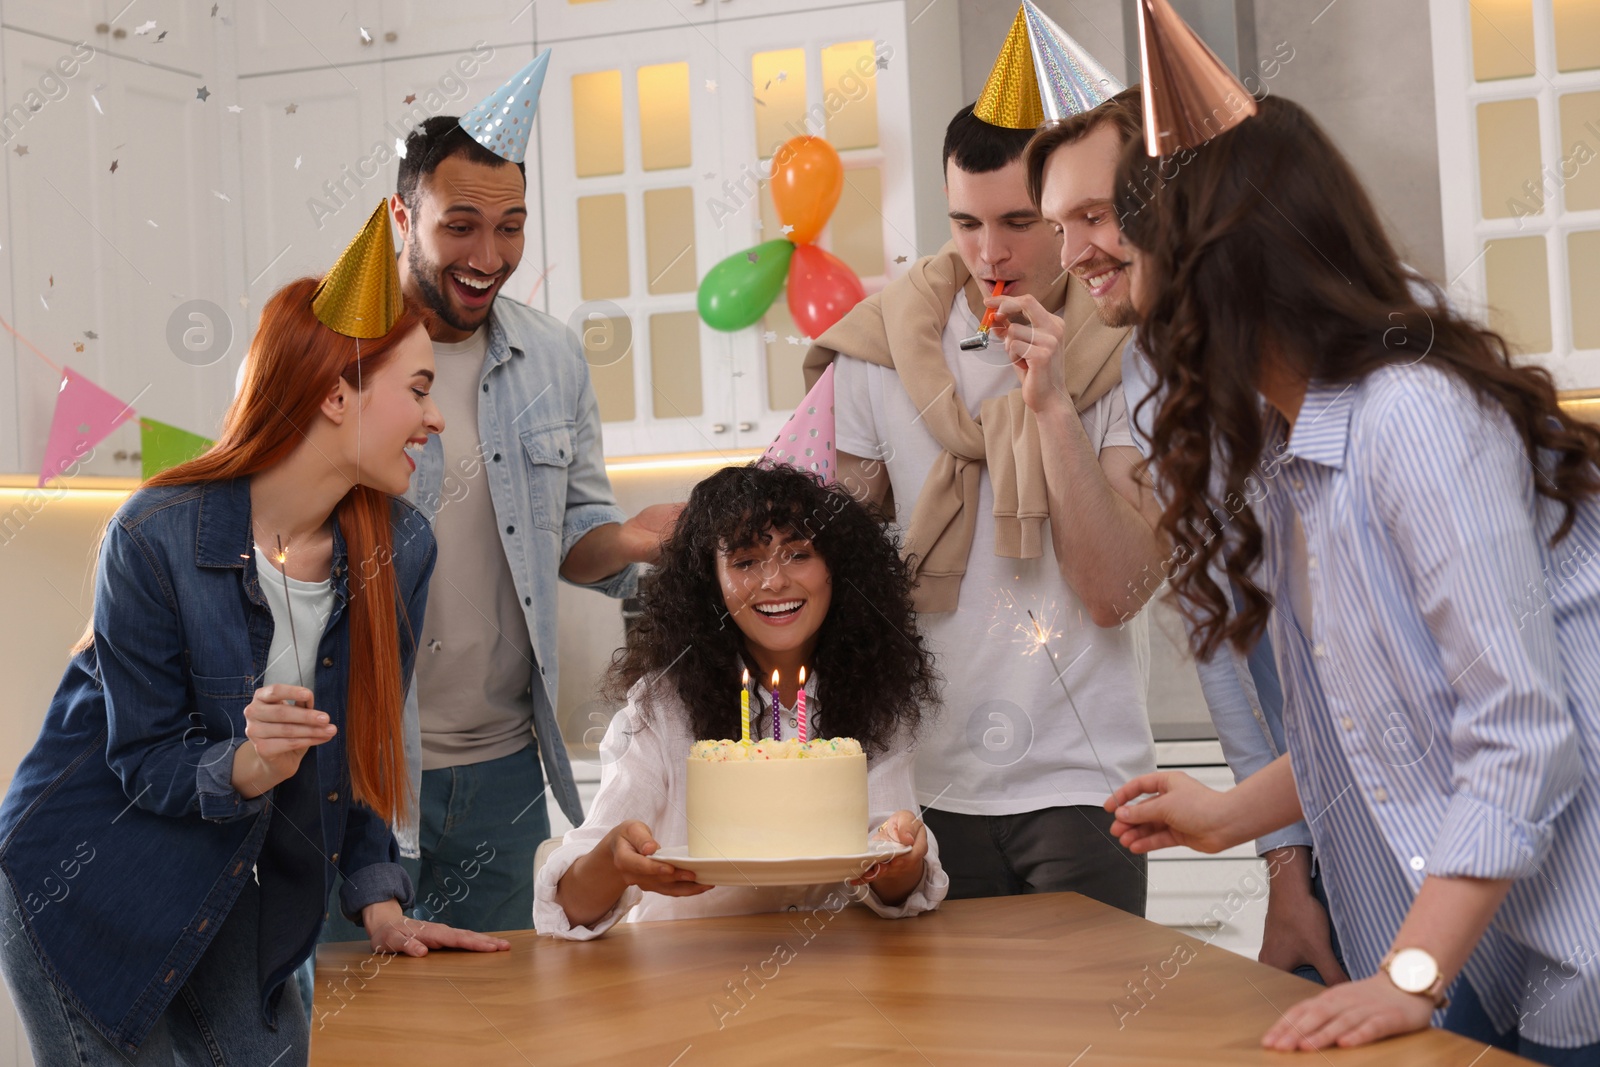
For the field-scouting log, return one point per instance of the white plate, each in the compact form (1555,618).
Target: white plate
(794,870)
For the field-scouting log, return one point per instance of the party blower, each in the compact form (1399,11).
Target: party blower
(981,338)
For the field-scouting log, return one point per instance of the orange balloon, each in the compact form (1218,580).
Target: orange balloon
(807,179)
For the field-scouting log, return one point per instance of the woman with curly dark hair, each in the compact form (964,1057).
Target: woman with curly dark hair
(808,578)
(1414,517)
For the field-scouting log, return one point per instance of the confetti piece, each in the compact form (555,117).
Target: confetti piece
(770,336)
(161,37)
(899,259)
(711,85)
(297,162)
(366,38)
(77,346)
(410,98)
(113,166)
(152,223)
(45,302)
(220,196)
(753,256)
(201,93)
(792,339)
(291,109)
(787,229)
(91,335)
(235,108)
(144,28)
(96,101)
(21,150)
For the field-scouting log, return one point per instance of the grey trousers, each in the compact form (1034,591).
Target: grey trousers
(1053,850)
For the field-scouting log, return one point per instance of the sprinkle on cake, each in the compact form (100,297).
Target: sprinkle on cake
(791,748)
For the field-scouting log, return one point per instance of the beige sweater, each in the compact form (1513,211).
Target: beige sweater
(903,328)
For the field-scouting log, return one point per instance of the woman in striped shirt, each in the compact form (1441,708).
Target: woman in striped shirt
(1414,520)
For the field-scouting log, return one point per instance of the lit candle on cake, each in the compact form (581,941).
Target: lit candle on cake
(777,710)
(800,705)
(744,710)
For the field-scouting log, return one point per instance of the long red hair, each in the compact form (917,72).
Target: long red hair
(294,363)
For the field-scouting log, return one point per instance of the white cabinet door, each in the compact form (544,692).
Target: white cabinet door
(426,27)
(283,35)
(172,215)
(69,20)
(312,174)
(564,20)
(102,257)
(784,76)
(178,34)
(628,232)
(448,85)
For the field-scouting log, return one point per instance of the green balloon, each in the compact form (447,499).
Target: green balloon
(737,292)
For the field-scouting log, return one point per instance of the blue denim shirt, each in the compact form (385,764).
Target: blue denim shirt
(122,837)
(539,434)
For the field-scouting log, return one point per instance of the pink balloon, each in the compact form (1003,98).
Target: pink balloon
(821,289)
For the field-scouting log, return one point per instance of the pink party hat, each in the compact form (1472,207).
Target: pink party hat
(84,415)
(503,120)
(806,440)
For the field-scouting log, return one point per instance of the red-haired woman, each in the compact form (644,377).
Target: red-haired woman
(227,736)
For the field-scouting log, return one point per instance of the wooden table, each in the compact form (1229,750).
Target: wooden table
(1017,980)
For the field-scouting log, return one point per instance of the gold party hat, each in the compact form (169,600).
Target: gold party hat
(1041,75)
(1010,97)
(1190,95)
(360,296)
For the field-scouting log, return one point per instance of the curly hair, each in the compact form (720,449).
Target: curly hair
(875,674)
(1263,239)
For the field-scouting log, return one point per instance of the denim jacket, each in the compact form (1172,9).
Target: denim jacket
(123,839)
(539,441)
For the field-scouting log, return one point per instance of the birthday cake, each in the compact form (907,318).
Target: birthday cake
(776,800)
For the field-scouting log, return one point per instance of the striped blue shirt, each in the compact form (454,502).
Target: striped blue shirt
(1443,713)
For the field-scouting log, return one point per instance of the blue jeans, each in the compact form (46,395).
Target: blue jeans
(1466,1017)
(214,1019)
(1305,970)
(481,825)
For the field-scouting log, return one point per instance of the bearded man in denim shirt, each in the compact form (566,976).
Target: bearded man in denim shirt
(518,496)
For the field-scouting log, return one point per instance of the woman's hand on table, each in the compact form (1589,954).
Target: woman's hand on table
(629,847)
(279,735)
(390,930)
(1181,811)
(1350,1014)
(898,878)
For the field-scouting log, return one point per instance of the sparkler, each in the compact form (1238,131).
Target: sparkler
(1041,638)
(283,557)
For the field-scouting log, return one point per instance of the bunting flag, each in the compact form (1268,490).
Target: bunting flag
(806,440)
(84,415)
(162,447)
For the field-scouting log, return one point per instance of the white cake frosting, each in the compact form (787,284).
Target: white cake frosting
(775,800)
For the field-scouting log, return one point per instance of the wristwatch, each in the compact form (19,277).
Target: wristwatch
(1414,970)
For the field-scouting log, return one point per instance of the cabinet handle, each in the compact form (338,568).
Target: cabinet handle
(719,427)
(746,427)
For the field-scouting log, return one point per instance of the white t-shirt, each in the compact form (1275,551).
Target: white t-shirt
(308,604)
(1007,739)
